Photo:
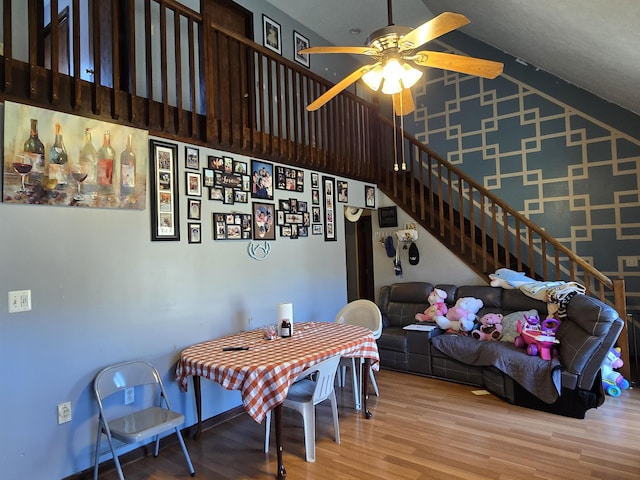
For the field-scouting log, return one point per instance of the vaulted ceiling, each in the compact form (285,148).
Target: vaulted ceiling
(592,44)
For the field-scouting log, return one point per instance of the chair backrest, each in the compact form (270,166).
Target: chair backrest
(364,313)
(116,378)
(325,378)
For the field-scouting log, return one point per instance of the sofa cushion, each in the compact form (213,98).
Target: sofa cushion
(403,301)
(394,339)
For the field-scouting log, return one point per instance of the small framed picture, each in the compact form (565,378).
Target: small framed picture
(343,191)
(207,177)
(261,180)
(316,229)
(300,43)
(193,209)
(191,158)
(216,193)
(215,163)
(194,184)
(271,35)
(370,196)
(240,167)
(315,179)
(315,197)
(194,232)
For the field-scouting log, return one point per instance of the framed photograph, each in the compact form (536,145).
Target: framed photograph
(315,214)
(315,181)
(216,193)
(165,224)
(316,229)
(271,35)
(315,197)
(329,198)
(370,196)
(299,43)
(261,180)
(264,219)
(228,164)
(343,191)
(240,167)
(194,207)
(194,184)
(208,177)
(191,158)
(195,230)
(215,163)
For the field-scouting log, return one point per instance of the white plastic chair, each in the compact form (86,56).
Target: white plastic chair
(366,314)
(316,385)
(140,423)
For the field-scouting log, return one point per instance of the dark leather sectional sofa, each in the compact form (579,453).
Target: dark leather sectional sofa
(586,335)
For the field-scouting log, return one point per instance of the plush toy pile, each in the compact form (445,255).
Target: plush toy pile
(461,317)
(437,308)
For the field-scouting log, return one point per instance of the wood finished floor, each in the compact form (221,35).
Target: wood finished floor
(421,429)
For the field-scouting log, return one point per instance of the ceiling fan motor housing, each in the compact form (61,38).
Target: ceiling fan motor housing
(387,37)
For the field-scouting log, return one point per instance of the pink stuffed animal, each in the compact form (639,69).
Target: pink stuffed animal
(437,308)
(462,316)
(490,327)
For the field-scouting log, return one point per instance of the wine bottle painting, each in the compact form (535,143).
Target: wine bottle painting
(53,158)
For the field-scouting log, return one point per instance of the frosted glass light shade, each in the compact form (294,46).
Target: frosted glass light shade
(393,77)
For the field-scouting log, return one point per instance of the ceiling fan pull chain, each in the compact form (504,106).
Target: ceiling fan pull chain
(404,165)
(395,142)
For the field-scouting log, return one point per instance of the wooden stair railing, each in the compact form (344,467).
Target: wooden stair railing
(224,91)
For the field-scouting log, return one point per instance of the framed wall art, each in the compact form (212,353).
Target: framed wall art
(271,35)
(370,196)
(208,177)
(194,207)
(191,158)
(329,199)
(74,177)
(195,230)
(264,217)
(194,184)
(343,191)
(300,42)
(232,226)
(291,179)
(261,180)
(165,218)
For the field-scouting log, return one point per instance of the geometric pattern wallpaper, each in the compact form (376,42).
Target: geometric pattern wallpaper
(572,174)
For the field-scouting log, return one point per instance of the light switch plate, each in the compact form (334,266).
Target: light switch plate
(19,301)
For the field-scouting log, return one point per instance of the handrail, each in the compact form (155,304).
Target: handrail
(228,92)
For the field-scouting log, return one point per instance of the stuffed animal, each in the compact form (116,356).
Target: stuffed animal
(613,382)
(509,279)
(490,327)
(437,308)
(462,316)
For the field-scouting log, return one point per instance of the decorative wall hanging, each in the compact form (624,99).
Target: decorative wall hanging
(370,196)
(291,179)
(165,224)
(191,158)
(257,251)
(261,180)
(329,198)
(300,43)
(53,158)
(271,35)
(264,217)
(232,226)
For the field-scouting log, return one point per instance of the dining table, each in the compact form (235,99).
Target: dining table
(263,369)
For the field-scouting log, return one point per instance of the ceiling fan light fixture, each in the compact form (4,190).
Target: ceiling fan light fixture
(373,78)
(410,75)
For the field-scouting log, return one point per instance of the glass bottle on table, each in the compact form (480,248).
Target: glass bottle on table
(285,328)
(58,161)
(106,160)
(34,147)
(89,162)
(128,169)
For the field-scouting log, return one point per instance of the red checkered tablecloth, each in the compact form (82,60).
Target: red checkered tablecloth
(264,372)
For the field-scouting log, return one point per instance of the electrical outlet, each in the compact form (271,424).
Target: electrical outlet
(129,395)
(64,412)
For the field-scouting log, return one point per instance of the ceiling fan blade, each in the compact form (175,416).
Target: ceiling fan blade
(329,49)
(338,87)
(403,103)
(443,23)
(459,63)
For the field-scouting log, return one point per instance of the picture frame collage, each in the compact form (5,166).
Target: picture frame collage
(291,179)
(293,218)
(232,226)
(227,180)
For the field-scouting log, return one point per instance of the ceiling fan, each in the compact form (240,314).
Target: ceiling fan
(396,54)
